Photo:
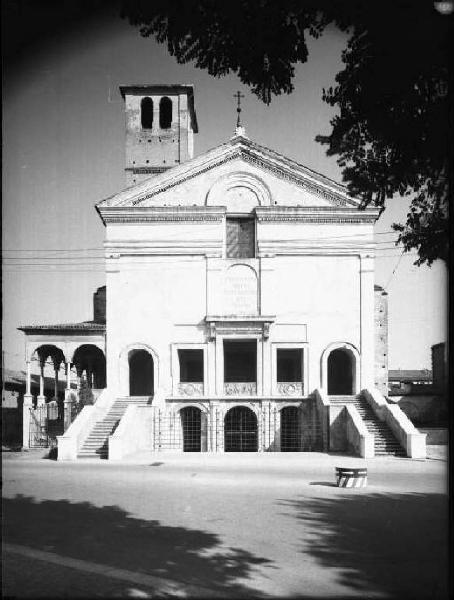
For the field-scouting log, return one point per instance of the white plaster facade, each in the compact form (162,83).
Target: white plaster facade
(169,284)
(304,289)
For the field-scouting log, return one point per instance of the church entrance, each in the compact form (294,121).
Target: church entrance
(240,430)
(340,373)
(290,429)
(191,424)
(141,373)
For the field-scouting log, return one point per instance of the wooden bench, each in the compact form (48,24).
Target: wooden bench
(351,477)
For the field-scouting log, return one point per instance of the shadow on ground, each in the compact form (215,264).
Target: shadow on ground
(107,535)
(391,545)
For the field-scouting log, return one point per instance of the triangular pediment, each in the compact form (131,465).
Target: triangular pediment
(192,183)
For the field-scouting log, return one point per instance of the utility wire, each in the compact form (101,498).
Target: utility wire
(394,270)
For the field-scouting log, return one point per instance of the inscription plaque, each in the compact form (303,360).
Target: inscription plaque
(240,291)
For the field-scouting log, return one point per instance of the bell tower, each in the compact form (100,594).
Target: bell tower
(160,127)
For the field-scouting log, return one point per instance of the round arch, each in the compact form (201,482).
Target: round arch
(241,431)
(123,366)
(241,191)
(192,419)
(89,358)
(49,349)
(340,376)
(290,428)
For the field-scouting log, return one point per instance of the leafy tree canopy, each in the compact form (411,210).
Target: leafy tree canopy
(390,134)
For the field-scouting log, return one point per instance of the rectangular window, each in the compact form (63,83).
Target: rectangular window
(289,365)
(191,366)
(240,238)
(240,361)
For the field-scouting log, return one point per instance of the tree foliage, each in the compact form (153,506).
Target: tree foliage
(390,133)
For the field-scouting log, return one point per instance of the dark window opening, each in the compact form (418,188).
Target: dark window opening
(290,429)
(191,423)
(289,365)
(141,373)
(240,238)
(165,113)
(240,430)
(146,113)
(240,361)
(191,366)
(340,372)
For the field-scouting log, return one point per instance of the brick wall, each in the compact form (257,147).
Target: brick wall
(381,340)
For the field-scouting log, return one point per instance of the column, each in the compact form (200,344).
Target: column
(68,403)
(27,405)
(56,369)
(68,375)
(28,380)
(366,378)
(41,400)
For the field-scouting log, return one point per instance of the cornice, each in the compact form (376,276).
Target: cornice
(168,214)
(316,214)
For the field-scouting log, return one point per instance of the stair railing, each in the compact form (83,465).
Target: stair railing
(359,439)
(413,442)
(70,443)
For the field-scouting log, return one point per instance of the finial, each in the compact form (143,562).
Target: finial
(238,96)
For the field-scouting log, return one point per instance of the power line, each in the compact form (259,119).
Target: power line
(394,270)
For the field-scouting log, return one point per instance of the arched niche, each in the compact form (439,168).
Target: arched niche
(240,290)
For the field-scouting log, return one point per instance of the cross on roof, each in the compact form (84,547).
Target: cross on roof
(238,96)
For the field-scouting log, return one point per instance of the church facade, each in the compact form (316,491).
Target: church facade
(239,297)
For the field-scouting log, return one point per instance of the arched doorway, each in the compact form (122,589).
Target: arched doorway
(240,430)
(191,425)
(340,372)
(141,373)
(290,429)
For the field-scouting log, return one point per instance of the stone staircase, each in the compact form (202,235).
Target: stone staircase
(96,444)
(385,442)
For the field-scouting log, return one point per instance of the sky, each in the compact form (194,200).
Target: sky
(63,152)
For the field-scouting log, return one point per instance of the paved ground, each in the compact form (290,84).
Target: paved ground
(233,525)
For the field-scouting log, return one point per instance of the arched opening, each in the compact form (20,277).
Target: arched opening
(165,113)
(340,372)
(290,429)
(141,373)
(191,425)
(90,364)
(240,430)
(146,113)
(52,363)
